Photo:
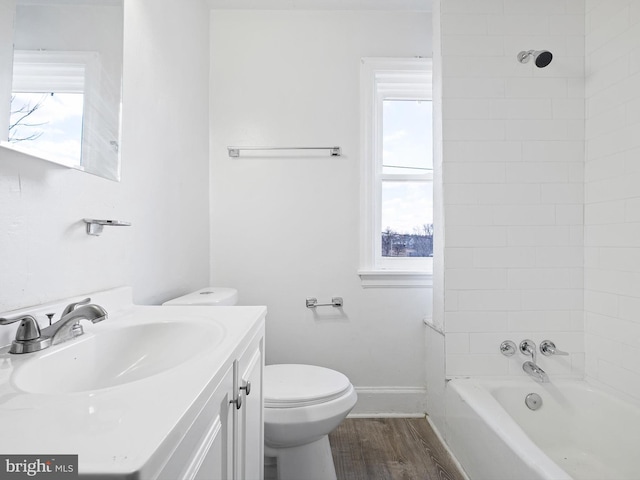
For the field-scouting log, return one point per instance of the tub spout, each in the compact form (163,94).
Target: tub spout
(535,371)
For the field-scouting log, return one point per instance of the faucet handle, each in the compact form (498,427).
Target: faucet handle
(548,348)
(72,306)
(28,329)
(508,348)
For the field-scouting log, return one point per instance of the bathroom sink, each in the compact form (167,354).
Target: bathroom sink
(116,356)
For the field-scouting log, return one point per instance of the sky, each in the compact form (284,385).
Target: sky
(407,142)
(59,119)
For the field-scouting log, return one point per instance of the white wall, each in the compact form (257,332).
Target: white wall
(44,252)
(513,182)
(612,200)
(284,229)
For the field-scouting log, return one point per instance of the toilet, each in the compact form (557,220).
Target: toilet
(302,405)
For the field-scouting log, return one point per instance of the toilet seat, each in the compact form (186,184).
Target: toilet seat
(294,385)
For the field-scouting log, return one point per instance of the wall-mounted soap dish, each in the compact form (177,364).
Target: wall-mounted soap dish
(95,227)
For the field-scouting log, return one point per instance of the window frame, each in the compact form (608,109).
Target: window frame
(387,79)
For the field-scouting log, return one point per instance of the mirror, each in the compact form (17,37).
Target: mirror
(61,81)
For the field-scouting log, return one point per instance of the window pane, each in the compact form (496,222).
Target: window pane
(407,146)
(407,219)
(48,124)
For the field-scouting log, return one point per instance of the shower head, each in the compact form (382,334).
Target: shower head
(542,58)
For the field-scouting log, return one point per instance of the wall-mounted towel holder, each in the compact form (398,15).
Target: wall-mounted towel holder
(335,302)
(234,152)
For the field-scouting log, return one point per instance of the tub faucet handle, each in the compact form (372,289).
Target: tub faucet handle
(548,348)
(507,348)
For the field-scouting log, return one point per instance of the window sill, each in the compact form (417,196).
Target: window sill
(395,278)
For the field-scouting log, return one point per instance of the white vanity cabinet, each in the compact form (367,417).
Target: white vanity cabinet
(226,439)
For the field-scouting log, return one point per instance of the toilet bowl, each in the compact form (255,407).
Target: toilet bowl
(302,405)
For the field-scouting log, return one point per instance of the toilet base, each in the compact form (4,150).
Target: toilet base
(312,461)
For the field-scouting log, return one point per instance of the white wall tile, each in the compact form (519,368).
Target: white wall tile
(539,172)
(508,194)
(505,256)
(480,365)
(542,300)
(466,108)
(514,166)
(470,215)
(477,278)
(489,300)
(520,24)
(469,236)
(540,278)
(474,173)
(561,151)
(570,108)
(465,129)
(457,343)
(570,214)
(521,109)
(536,88)
(459,257)
(566,25)
(515,215)
(464,24)
(482,151)
(473,87)
(549,7)
(461,322)
(544,322)
(533,236)
(461,45)
(472,6)
(564,194)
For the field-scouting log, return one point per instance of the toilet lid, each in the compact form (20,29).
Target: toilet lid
(292,385)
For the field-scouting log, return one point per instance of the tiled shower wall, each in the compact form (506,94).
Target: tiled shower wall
(513,178)
(612,195)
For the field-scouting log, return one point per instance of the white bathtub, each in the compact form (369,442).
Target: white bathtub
(579,432)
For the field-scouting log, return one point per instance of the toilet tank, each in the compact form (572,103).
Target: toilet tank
(211,296)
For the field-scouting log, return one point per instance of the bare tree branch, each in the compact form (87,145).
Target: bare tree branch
(25,111)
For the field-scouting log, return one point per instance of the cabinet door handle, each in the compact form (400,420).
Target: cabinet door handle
(247,388)
(237,402)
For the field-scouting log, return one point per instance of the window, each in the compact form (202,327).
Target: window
(397,172)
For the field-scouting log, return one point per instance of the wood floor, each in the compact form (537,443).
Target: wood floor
(390,449)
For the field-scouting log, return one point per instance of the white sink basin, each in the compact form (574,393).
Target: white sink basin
(116,356)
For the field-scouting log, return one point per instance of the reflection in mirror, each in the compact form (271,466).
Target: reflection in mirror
(65,90)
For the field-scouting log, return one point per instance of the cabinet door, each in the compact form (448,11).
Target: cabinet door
(215,452)
(250,441)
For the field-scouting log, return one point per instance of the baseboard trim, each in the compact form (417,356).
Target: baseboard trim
(390,402)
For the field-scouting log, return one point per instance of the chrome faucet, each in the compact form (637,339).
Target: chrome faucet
(535,371)
(69,327)
(29,338)
(527,347)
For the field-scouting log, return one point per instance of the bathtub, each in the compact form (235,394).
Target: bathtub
(579,432)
